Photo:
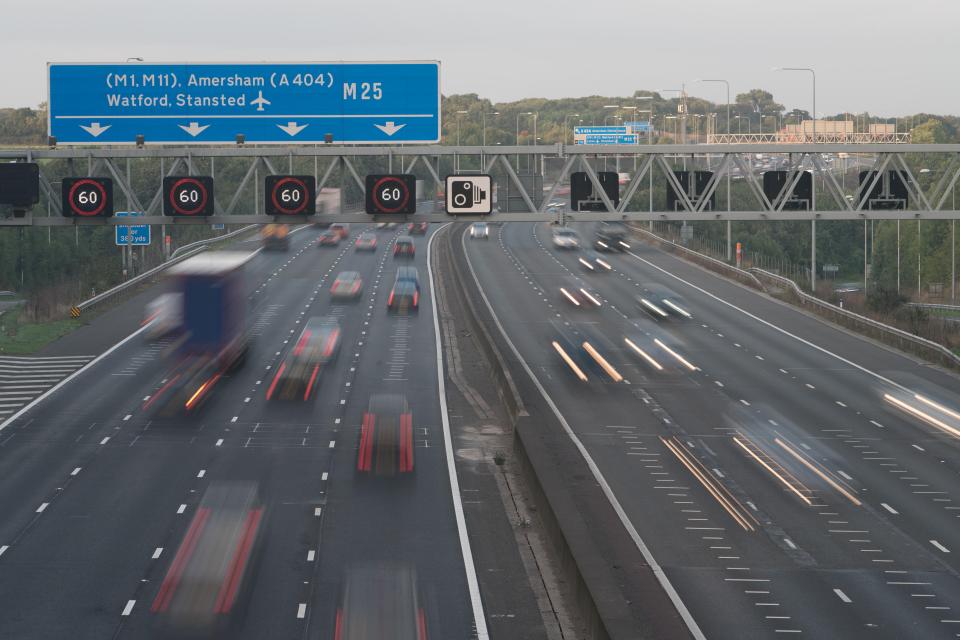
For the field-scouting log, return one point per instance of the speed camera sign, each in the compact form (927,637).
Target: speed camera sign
(469,194)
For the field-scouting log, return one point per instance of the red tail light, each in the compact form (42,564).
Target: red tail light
(416,298)
(302,343)
(390,300)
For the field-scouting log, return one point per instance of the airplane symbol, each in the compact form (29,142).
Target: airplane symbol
(260,101)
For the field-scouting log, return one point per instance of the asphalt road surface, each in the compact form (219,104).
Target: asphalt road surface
(789,477)
(98,494)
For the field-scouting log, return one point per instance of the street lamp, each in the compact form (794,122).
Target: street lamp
(484,115)
(565,118)
(523,113)
(738,119)
(813,75)
(728,96)
(456,160)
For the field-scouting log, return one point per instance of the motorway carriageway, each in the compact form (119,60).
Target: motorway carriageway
(98,494)
(787,478)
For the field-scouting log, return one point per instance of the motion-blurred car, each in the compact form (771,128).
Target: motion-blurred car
(593,262)
(366,242)
(578,294)
(417,228)
(611,236)
(408,273)
(666,300)
(403,247)
(380,602)
(163,316)
(386,437)
(565,238)
(404,297)
(479,231)
(329,238)
(317,346)
(342,228)
(347,285)
(209,573)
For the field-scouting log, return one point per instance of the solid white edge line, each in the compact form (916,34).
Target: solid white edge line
(662,578)
(69,378)
(480,621)
(773,326)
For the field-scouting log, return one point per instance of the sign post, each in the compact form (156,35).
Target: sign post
(265,103)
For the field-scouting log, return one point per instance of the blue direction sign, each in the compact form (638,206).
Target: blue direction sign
(302,103)
(630,138)
(612,131)
(135,235)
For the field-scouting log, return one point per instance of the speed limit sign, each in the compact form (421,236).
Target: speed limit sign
(394,193)
(290,195)
(188,196)
(87,197)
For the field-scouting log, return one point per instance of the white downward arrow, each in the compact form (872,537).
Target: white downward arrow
(389,128)
(292,128)
(194,129)
(95,129)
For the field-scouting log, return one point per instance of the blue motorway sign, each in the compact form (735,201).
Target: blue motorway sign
(630,138)
(639,126)
(283,103)
(612,131)
(135,235)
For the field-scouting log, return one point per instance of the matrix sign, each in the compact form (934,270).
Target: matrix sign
(395,193)
(188,196)
(87,197)
(290,195)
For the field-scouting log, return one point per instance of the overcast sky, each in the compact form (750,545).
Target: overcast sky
(889,58)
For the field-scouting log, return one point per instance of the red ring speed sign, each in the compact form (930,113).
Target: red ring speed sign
(401,202)
(101,197)
(200,203)
(281,206)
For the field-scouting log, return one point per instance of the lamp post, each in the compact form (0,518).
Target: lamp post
(456,159)
(483,128)
(813,223)
(728,96)
(523,113)
(565,118)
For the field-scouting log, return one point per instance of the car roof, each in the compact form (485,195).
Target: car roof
(348,275)
(405,239)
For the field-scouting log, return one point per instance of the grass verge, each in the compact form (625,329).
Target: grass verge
(19,337)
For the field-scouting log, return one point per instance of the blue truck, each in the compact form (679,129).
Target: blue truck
(214,335)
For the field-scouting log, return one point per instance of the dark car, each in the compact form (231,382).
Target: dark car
(417,228)
(329,238)
(317,346)
(576,292)
(593,262)
(366,242)
(347,285)
(211,570)
(404,297)
(611,236)
(386,437)
(408,273)
(380,601)
(403,247)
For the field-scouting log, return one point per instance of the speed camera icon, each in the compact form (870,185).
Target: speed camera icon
(469,194)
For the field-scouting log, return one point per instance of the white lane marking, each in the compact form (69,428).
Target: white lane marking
(775,327)
(3,549)
(245,400)
(479,619)
(182,508)
(333,443)
(790,543)
(75,471)
(662,578)
(234,418)
(840,403)
(69,378)
(844,474)
(301,610)
(157,552)
(939,546)
(809,386)
(311,555)
(127,417)
(718,383)
(324,476)
(219,442)
(127,609)
(42,507)
(889,508)
(105,440)
(744,402)
(201,473)
(317,511)
(842,596)
(877,424)
(918,447)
